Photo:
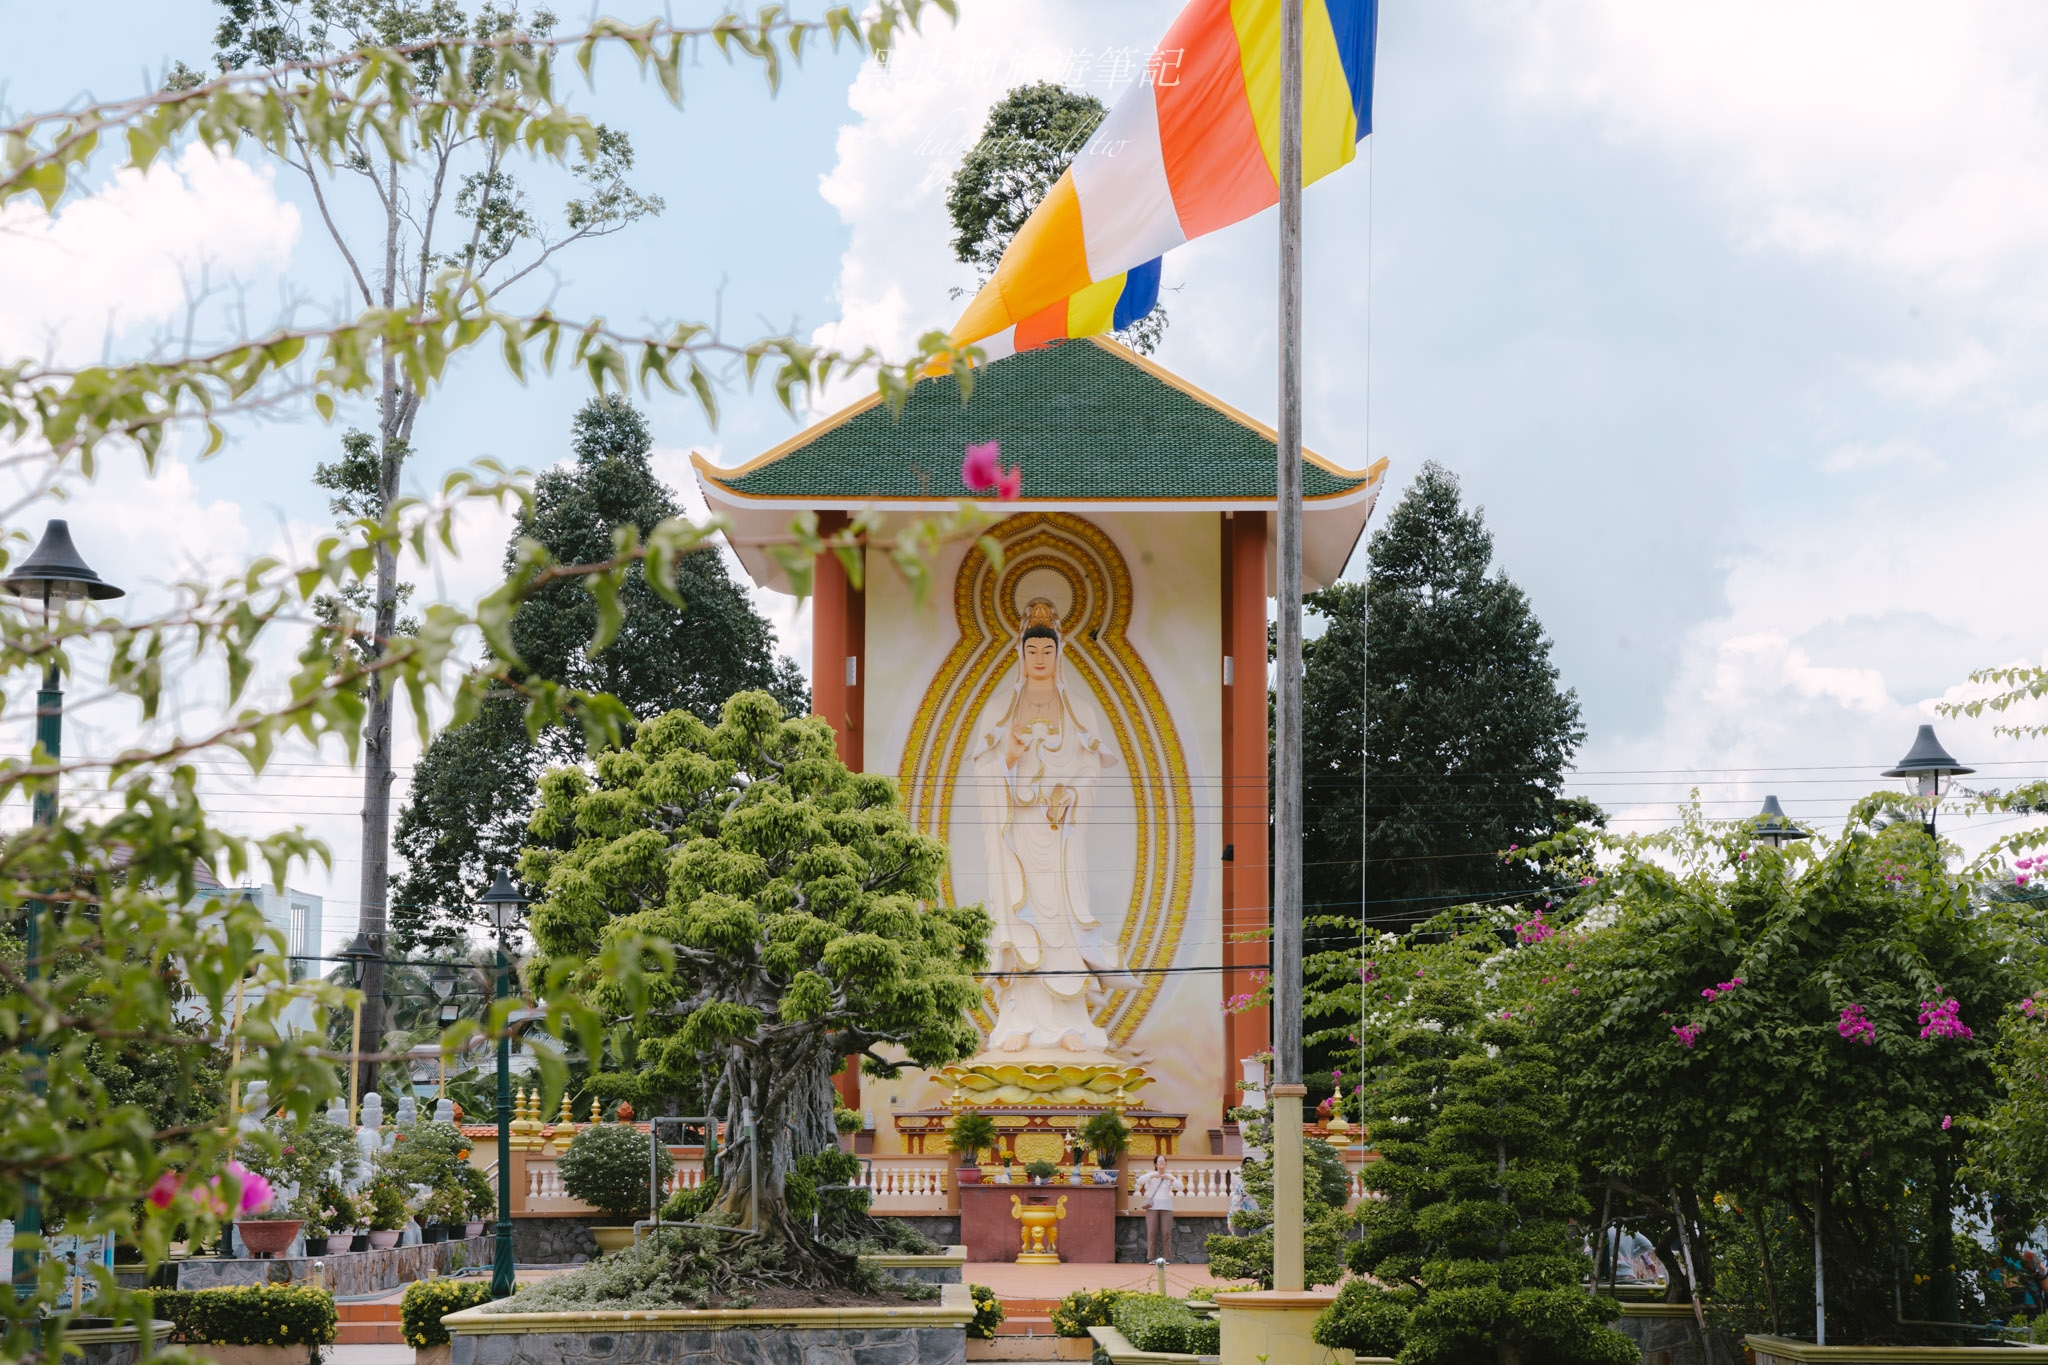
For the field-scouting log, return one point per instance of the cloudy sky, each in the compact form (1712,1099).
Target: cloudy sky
(1731,315)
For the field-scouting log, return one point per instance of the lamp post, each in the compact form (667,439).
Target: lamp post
(1774,827)
(1930,768)
(55,575)
(359,952)
(444,986)
(504,902)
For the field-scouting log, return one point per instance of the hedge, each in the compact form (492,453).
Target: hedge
(247,1315)
(1082,1309)
(988,1313)
(426,1302)
(1160,1322)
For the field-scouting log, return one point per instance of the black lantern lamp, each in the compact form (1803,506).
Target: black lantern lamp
(444,986)
(1773,827)
(54,574)
(1928,767)
(504,902)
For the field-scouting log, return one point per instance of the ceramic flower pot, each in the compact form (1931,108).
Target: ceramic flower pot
(268,1236)
(612,1239)
(317,1246)
(434,1232)
(383,1239)
(473,1228)
(359,1241)
(970,1175)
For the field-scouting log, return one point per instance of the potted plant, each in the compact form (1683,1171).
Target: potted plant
(606,1166)
(444,1210)
(1106,1135)
(340,1218)
(972,1134)
(1040,1171)
(312,1214)
(481,1202)
(848,1122)
(388,1211)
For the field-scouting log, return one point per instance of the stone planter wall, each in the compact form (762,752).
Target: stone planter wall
(111,1345)
(1781,1351)
(943,1268)
(554,1241)
(915,1334)
(253,1355)
(1190,1239)
(349,1273)
(943,1230)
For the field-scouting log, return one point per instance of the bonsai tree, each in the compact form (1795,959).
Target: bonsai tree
(607,1166)
(789,917)
(388,1205)
(1107,1135)
(481,1198)
(847,1122)
(1326,1188)
(972,1133)
(1467,1246)
(1041,1171)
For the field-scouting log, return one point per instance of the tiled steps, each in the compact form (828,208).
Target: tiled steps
(368,1324)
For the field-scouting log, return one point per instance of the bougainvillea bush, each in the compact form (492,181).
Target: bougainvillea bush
(1805,1033)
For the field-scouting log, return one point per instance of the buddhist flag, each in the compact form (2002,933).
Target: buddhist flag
(1194,147)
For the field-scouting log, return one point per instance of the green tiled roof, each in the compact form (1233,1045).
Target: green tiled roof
(1084,421)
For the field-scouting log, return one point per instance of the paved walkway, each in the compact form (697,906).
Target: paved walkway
(1055,1282)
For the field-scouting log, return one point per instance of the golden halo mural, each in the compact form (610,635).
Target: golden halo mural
(1053,548)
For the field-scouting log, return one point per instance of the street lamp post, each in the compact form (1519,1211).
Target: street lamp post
(55,575)
(1774,827)
(444,986)
(358,954)
(504,901)
(1930,768)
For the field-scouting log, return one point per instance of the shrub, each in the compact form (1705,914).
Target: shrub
(1366,1319)
(847,1120)
(988,1313)
(1160,1322)
(388,1208)
(1082,1309)
(1040,1170)
(426,1302)
(606,1167)
(248,1315)
(482,1196)
(1106,1135)
(972,1132)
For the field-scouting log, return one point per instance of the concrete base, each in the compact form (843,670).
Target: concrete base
(1276,1324)
(1783,1351)
(1031,1348)
(915,1334)
(943,1268)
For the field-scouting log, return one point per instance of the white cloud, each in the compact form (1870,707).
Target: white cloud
(133,254)
(1864,129)
(1941,381)
(1856,458)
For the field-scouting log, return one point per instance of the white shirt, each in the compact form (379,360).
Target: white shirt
(1156,1189)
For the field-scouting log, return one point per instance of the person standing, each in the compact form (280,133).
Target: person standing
(1155,1196)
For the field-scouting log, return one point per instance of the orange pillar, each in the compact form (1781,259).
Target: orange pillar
(1247,882)
(839,621)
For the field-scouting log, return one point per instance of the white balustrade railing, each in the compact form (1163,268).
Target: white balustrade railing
(915,1185)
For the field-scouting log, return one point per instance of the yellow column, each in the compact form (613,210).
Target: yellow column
(1289,1272)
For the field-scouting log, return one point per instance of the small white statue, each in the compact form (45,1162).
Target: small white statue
(444,1110)
(337,1112)
(255,1105)
(408,1109)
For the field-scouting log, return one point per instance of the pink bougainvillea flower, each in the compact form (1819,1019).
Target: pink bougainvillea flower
(1688,1033)
(1855,1026)
(982,466)
(1010,483)
(1945,1121)
(165,1190)
(255,1189)
(1938,1019)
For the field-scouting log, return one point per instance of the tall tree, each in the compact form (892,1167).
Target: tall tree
(442,202)
(1032,135)
(1470,732)
(472,792)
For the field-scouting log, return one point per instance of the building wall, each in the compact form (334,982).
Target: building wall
(1174,567)
(296,915)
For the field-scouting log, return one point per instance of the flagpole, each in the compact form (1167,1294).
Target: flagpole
(1288,1267)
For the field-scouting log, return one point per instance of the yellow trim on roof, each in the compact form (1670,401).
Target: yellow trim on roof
(722,475)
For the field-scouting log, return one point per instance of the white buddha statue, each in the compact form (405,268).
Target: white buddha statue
(1037,764)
